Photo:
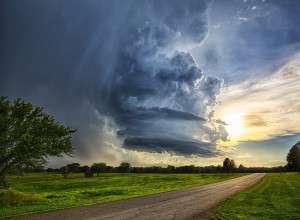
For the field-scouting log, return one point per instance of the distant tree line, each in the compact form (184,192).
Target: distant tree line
(125,167)
(229,166)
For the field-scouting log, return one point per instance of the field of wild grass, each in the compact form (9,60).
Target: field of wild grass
(42,191)
(276,196)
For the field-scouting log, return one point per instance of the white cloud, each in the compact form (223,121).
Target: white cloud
(269,106)
(243,19)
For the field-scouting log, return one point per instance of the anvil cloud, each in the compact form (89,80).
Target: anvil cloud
(154,90)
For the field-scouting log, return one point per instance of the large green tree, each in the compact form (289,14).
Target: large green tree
(28,136)
(293,158)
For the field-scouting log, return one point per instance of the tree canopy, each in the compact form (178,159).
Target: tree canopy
(28,136)
(98,168)
(124,167)
(65,171)
(293,158)
(74,167)
(229,165)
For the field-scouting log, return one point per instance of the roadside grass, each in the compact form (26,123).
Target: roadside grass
(276,196)
(42,191)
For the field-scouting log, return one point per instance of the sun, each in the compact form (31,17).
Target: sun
(234,125)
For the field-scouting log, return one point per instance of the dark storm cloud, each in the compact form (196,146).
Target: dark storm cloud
(187,18)
(114,67)
(143,113)
(160,145)
(154,92)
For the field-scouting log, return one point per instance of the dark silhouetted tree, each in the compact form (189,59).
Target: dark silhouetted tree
(74,167)
(229,165)
(65,171)
(57,170)
(50,170)
(232,166)
(124,167)
(218,168)
(98,168)
(109,169)
(241,168)
(170,169)
(226,165)
(293,158)
(27,137)
(84,169)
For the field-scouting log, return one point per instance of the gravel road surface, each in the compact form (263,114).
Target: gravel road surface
(192,203)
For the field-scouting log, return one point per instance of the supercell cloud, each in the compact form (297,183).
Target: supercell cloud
(120,72)
(158,97)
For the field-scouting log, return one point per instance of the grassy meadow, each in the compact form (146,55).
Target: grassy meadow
(276,196)
(42,191)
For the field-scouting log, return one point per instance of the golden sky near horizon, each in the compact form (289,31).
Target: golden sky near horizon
(265,108)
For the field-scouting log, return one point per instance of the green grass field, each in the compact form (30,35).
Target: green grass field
(277,196)
(40,192)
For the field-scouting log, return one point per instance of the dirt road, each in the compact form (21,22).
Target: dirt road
(193,203)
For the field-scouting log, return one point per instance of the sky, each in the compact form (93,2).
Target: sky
(159,82)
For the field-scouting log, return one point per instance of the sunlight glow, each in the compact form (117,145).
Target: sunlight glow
(234,125)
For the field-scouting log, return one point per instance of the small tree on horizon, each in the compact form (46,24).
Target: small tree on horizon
(84,169)
(226,165)
(98,168)
(218,168)
(124,167)
(27,137)
(50,170)
(65,171)
(232,166)
(229,165)
(74,167)
(241,168)
(170,169)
